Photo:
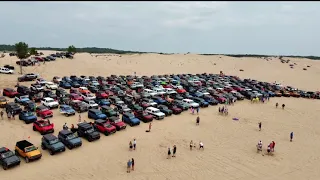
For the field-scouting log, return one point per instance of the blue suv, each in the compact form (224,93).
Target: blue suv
(130,119)
(96,114)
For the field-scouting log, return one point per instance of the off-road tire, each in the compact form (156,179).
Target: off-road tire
(5,167)
(34,128)
(51,152)
(26,159)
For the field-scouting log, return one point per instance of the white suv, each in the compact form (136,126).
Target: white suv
(157,114)
(191,103)
(6,70)
(50,103)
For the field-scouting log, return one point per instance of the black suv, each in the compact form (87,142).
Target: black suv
(52,143)
(13,108)
(8,158)
(27,77)
(23,90)
(50,94)
(61,92)
(87,131)
(69,139)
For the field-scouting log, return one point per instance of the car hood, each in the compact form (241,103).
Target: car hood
(75,140)
(30,117)
(135,120)
(11,160)
(57,146)
(33,153)
(94,134)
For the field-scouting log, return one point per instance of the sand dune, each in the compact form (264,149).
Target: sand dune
(230,151)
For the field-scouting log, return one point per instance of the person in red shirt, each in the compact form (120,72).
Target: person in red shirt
(273,145)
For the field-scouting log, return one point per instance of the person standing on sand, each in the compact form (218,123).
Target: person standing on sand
(191,145)
(132,164)
(277,104)
(283,105)
(174,151)
(260,126)
(1,114)
(192,110)
(201,145)
(150,125)
(291,136)
(79,120)
(198,109)
(129,163)
(273,145)
(134,144)
(169,153)
(198,121)
(130,146)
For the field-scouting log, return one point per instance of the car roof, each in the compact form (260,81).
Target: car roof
(65,132)
(100,121)
(3,149)
(49,137)
(84,125)
(94,110)
(114,118)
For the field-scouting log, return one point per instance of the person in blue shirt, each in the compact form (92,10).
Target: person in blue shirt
(129,163)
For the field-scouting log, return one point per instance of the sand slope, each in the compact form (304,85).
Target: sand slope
(230,151)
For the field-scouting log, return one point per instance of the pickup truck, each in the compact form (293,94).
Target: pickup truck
(6,70)
(50,103)
(27,150)
(43,126)
(8,158)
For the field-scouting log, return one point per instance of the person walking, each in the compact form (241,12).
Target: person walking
(198,121)
(129,163)
(283,105)
(273,145)
(132,164)
(260,126)
(79,120)
(130,146)
(198,109)
(291,136)
(134,144)
(150,125)
(1,114)
(192,109)
(169,153)
(277,104)
(174,151)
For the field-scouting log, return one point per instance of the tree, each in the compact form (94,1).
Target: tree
(33,51)
(21,49)
(71,49)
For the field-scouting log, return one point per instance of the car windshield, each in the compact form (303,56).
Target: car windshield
(7,154)
(91,102)
(28,114)
(44,109)
(145,114)
(117,120)
(3,100)
(157,111)
(91,130)
(107,125)
(54,141)
(50,101)
(30,148)
(89,95)
(71,136)
(67,108)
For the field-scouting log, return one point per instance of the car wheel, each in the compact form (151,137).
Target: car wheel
(51,152)
(106,133)
(89,139)
(70,147)
(34,128)
(42,147)
(27,160)
(5,167)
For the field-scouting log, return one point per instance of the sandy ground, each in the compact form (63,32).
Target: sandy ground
(230,151)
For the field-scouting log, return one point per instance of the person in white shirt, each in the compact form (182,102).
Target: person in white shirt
(201,145)
(134,144)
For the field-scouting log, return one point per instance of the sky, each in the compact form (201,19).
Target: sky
(271,28)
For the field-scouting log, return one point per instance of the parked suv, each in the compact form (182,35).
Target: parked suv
(157,114)
(130,119)
(69,139)
(96,114)
(87,131)
(23,90)
(52,143)
(8,158)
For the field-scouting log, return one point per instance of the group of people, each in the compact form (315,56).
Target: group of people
(130,165)
(260,99)
(223,110)
(10,115)
(283,105)
(174,150)
(192,109)
(132,146)
(193,145)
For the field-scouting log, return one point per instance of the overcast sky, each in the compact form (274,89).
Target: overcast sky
(273,28)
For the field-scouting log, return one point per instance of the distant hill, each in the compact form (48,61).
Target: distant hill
(5,47)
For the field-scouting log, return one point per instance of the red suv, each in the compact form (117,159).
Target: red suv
(10,92)
(104,127)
